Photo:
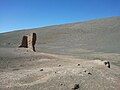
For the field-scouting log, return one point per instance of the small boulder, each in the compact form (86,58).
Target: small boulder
(107,64)
(59,65)
(76,86)
(102,62)
(89,73)
(84,70)
(41,69)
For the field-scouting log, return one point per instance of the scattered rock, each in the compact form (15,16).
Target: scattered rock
(103,62)
(107,64)
(41,69)
(59,65)
(76,86)
(61,84)
(89,73)
(85,71)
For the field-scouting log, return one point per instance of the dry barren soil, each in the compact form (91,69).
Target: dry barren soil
(67,57)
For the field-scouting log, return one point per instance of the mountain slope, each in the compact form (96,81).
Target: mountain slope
(66,55)
(99,35)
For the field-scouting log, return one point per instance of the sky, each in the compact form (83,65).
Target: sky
(25,14)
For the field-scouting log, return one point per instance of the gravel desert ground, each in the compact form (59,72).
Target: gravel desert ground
(68,57)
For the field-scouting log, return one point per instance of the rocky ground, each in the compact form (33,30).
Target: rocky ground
(27,70)
(68,57)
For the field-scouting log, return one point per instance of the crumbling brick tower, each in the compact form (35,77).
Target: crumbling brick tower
(29,41)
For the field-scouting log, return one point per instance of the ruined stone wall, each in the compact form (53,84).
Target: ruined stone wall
(34,38)
(24,42)
(29,41)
